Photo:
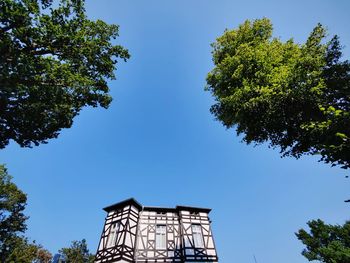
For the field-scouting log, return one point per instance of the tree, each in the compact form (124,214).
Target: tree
(294,96)
(326,243)
(78,252)
(54,61)
(22,251)
(12,219)
(43,256)
(13,246)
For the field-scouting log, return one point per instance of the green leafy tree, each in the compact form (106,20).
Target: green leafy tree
(12,219)
(294,96)
(22,251)
(326,243)
(54,61)
(78,252)
(14,248)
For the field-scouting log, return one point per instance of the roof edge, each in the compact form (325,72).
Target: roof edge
(159,209)
(131,201)
(193,209)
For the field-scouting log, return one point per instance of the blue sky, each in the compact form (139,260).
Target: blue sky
(158,142)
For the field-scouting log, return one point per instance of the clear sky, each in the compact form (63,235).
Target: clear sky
(159,143)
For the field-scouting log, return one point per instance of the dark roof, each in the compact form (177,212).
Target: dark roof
(193,209)
(159,209)
(132,201)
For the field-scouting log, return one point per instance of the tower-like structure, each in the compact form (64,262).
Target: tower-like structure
(143,234)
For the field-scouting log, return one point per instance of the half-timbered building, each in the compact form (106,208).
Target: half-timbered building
(144,234)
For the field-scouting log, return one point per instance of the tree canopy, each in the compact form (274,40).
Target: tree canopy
(54,61)
(13,246)
(21,250)
(78,252)
(326,243)
(43,256)
(12,218)
(16,248)
(294,96)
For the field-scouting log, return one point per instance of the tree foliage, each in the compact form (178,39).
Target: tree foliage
(326,243)
(295,96)
(43,256)
(13,246)
(54,61)
(78,252)
(12,219)
(21,250)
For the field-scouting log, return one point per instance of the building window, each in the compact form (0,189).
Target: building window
(112,237)
(197,236)
(161,237)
